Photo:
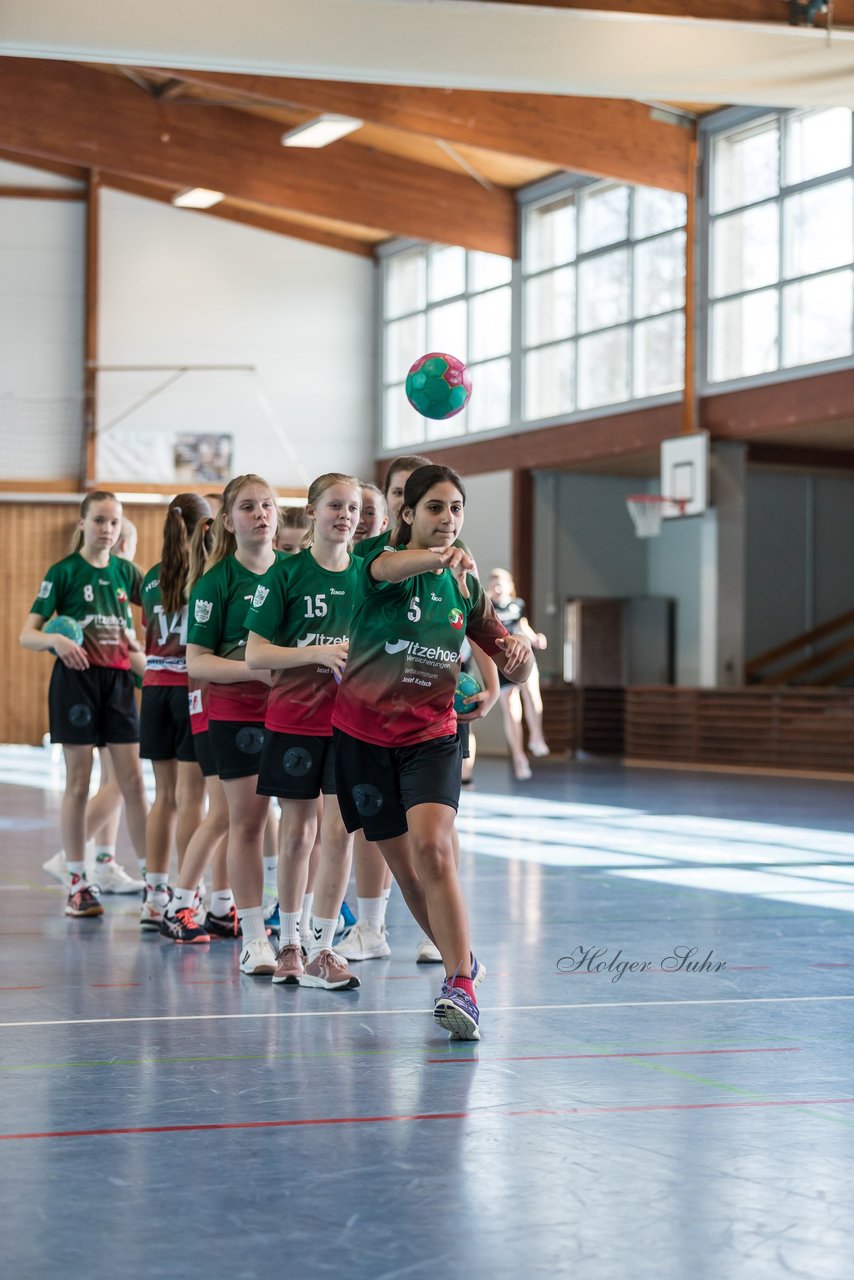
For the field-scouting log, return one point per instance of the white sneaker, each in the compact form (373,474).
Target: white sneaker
(428,953)
(540,749)
(111,877)
(258,957)
(361,942)
(57,867)
(153,910)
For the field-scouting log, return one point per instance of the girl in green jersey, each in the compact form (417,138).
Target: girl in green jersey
(91,699)
(397,748)
(237,696)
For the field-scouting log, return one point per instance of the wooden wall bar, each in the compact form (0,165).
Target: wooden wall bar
(34,536)
(777,728)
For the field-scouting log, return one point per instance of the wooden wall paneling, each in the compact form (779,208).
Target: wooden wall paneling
(560,717)
(33,537)
(783,728)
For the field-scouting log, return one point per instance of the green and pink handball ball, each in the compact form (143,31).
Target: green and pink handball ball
(438,385)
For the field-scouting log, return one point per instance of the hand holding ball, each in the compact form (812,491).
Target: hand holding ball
(467,687)
(438,386)
(63,625)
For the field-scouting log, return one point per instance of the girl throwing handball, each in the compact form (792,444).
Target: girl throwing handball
(396,744)
(91,695)
(299,625)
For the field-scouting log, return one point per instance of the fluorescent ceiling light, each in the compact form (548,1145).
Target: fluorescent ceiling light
(320,131)
(197,198)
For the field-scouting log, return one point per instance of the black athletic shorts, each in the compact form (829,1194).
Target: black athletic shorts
(464,734)
(236,747)
(204,754)
(92,708)
(164,724)
(378,785)
(296,766)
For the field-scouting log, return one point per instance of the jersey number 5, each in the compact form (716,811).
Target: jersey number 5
(414,609)
(316,608)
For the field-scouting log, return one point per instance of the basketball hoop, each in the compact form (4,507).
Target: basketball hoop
(649,509)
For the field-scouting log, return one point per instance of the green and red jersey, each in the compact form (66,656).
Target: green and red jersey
(300,603)
(404,661)
(217,612)
(197,694)
(99,597)
(165,636)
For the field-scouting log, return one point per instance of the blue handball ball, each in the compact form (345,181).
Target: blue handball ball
(467,687)
(62,625)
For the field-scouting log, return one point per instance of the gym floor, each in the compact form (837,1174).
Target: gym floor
(624,1115)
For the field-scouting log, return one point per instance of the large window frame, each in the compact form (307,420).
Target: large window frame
(456,431)
(713,130)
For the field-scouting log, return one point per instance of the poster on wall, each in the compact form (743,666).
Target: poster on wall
(203,458)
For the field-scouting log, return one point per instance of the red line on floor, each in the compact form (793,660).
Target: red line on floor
(830,965)
(647,1053)
(430,1115)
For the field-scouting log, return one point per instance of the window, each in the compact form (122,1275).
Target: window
(596,313)
(597,266)
(781,244)
(443,298)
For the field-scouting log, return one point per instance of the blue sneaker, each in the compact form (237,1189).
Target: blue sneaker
(478,971)
(347,915)
(457,1013)
(271,917)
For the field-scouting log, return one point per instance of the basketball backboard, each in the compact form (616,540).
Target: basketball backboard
(685,474)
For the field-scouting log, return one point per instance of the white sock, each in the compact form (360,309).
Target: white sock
(289,930)
(271,871)
(76,869)
(322,933)
(387,892)
(105,853)
(222,900)
(252,923)
(305,917)
(372,911)
(181,898)
(142,870)
(157,881)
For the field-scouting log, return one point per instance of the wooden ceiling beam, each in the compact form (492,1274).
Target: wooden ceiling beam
(71,113)
(603,137)
(773,11)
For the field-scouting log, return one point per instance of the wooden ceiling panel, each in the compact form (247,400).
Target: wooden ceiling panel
(603,137)
(82,116)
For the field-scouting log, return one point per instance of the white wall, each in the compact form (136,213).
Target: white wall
(584,546)
(487,532)
(673,559)
(800,554)
(41,330)
(178,288)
